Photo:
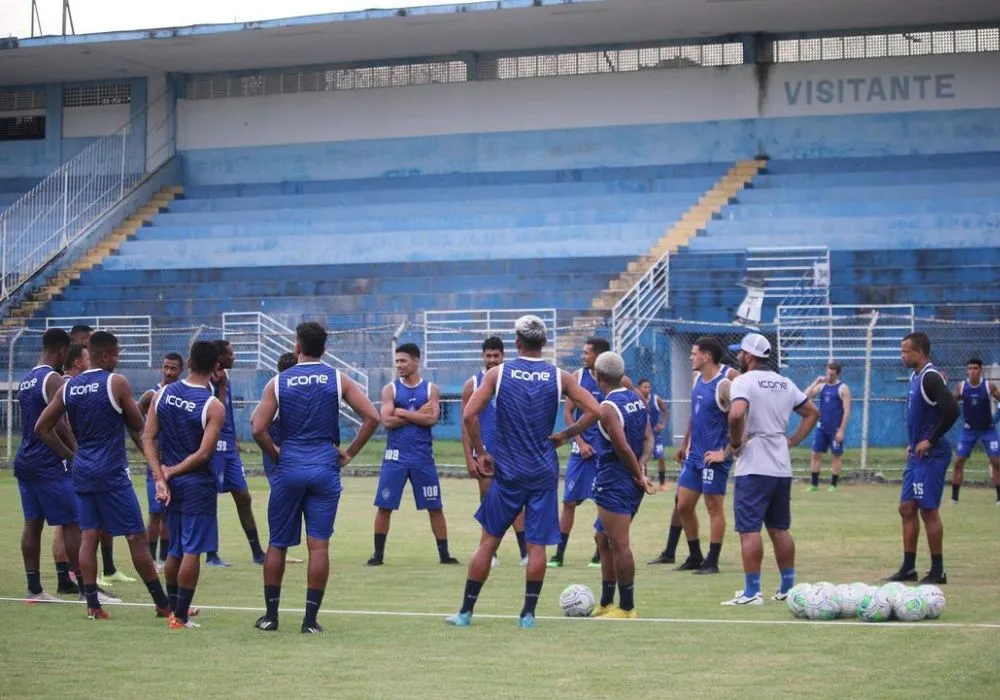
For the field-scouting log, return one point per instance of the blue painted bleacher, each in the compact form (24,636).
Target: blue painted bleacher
(922,230)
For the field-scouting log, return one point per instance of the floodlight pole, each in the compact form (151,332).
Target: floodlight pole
(67,14)
(36,18)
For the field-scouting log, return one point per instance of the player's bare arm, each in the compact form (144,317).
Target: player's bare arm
(388,410)
(122,391)
(470,420)
(737,421)
(214,420)
(722,398)
(995,391)
(428,414)
(810,415)
(648,445)
(845,397)
(586,451)
(152,453)
(365,409)
(664,413)
(470,462)
(611,422)
(587,404)
(45,428)
(145,401)
(263,417)
(53,386)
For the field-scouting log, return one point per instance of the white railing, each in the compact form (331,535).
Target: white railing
(258,341)
(824,332)
(457,336)
(640,305)
(134,333)
(791,274)
(60,209)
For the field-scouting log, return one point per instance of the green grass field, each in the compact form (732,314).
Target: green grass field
(687,643)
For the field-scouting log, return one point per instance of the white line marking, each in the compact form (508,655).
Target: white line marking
(488,616)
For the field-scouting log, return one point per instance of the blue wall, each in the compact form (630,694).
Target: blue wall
(908,133)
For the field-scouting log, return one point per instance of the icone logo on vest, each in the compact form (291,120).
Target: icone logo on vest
(308,379)
(180,403)
(634,406)
(525,375)
(772,384)
(28,384)
(85,389)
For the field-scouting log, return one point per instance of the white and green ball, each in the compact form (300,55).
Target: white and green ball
(796,600)
(935,600)
(910,605)
(850,595)
(822,603)
(874,606)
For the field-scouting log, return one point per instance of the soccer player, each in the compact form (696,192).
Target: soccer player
(227,463)
(410,408)
(43,477)
(583,456)
(493,355)
(527,392)
(286,361)
(626,445)
(658,413)
(975,393)
(931,410)
(834,414)
(762,401)
(156,529)
(305,482)
(182,428)
(100,406)
(706,465)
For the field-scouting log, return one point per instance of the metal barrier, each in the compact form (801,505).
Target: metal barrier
(457,336)
(791,273)
(640,304)
(134,333)
(60,209)
(811,332)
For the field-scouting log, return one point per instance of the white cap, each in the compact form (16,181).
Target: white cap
(531,328)
(754,344)
(611,365)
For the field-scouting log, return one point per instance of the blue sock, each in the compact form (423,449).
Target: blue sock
(155,589)
(314,598)
(532,591)
(272,599)
(787,580)
(752,585)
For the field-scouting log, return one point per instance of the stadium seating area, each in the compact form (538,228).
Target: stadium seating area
(921,230)
(12,188)
(367,251)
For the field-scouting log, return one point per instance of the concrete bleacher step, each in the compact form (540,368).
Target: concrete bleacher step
(41,297)
(709,205)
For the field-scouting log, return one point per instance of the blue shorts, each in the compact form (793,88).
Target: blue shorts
(229,473)
(621,496)
(504,501)
(823,441)
(970,436)
(580,474)
(311,493)
(762,500)
(701,478)
(923,479)
(657,447)
(52,499)
(154,505)
(425,483)
(192,534)
(117,512)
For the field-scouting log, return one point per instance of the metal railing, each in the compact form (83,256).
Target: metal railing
(457,336)
(134,333)
(823,332)
(60,209)
(641,304)
(791,273)
(258,341)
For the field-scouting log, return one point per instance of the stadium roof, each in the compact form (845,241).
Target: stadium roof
(501,25)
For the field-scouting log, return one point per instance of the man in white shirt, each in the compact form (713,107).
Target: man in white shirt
(761,402)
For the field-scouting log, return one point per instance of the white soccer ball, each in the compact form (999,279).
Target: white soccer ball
(935,600)
(850,595)
(892,590)
(822,603)
(910,605)
(577,600)
(796,600)
(874,606)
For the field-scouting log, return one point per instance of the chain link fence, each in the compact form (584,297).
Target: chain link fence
(875,439)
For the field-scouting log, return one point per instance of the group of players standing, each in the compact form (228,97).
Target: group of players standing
(73,471)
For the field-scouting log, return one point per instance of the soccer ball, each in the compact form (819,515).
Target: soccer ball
(822,603)
(893,589)
(850,595)
(874,606)
(577,600)
(796,600)
(935,600)
(910,606)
